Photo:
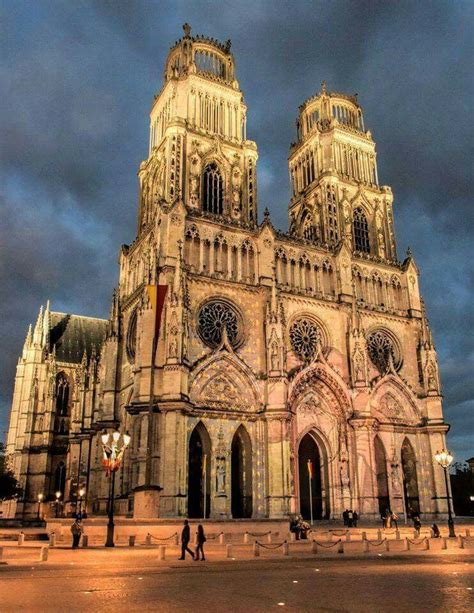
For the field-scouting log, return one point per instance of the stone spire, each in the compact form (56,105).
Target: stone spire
(38,332)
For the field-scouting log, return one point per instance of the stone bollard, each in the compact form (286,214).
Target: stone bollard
(397,535)
(292,537)
(348,536)
(131,540)
(461,542)
(406,545)
(269,537)
(85,540)
(468,533)
(340,547)
(148,540)
(176,539)
(427,542)
(21,538)
(43,557)
(444,542)
(228,550)
(162,552)
(364,536)
(52,539)
(314,547)
(246,537)
(365,546)
(256,550)
(379,535)
(286,549)
(387,545)
(221,538)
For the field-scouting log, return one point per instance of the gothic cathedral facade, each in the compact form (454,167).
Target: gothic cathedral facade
(293,372)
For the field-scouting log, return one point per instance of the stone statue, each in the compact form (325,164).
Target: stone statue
(274,359)
(220,476)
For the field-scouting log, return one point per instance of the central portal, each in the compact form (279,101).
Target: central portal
(241,461)
(309,452)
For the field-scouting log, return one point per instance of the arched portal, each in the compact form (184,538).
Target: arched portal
(199,479)
(315,473)
(382,477)
(410,480)
(241,467)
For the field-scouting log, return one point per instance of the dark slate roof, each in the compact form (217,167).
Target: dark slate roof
(74,334)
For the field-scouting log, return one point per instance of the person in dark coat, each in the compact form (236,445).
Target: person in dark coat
(355,519)
(185,538)
(77,531)
(345,517)
(435,529)
(417,524)
(200,540)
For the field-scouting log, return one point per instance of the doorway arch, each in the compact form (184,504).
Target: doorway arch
(311,450)
(382,477)
(410,480)
(199,478)
(241,474)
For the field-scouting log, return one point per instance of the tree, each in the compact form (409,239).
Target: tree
(9,487)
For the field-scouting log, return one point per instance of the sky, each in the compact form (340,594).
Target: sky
(78,79)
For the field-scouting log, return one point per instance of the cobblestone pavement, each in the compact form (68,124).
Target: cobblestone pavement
(125,580)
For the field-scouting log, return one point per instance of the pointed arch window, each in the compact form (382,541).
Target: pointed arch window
(213,190)
(361,231)
(62,395)
(308,229)
(60,478)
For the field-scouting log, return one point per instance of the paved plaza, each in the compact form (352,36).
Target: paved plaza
(135,580)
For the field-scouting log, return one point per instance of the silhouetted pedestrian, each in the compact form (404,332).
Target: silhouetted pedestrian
(355,519)
(395,520)
(345,517)
(185,538)
(200,540)
(436,533)
(77,531)
(350,518)
(417,524)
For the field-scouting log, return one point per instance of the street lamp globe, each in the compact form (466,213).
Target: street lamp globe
(126,439)
(82,491)
(58,495)
(105,438)
(116,436)
(40,497)
(444,458)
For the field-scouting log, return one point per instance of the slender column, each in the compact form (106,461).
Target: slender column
(211,257)
(321,280)
(229,261)
(201,255)
(239,264)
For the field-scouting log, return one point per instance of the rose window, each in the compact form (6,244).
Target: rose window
(304,337)
(381,348)
(212,318)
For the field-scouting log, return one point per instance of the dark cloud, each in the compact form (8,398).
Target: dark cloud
(78,80)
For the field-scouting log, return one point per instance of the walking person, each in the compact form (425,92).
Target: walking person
(435,529)
(77,530)
(355,519)
(185,538)
(200,540)
(417,524)
(395,520)
(350,518)
(345,517)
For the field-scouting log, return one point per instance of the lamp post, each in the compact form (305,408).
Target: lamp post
(40,500)
(58,496)
(81,493)
(113,454)
(444,459)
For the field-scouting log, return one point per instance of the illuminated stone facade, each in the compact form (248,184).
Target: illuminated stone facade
(275,348)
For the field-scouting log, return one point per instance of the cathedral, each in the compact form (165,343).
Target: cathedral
(259,373)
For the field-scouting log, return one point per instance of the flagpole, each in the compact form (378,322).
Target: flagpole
(204,476)
(310,474)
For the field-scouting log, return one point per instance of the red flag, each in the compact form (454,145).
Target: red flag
(310,469)
(157,294)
